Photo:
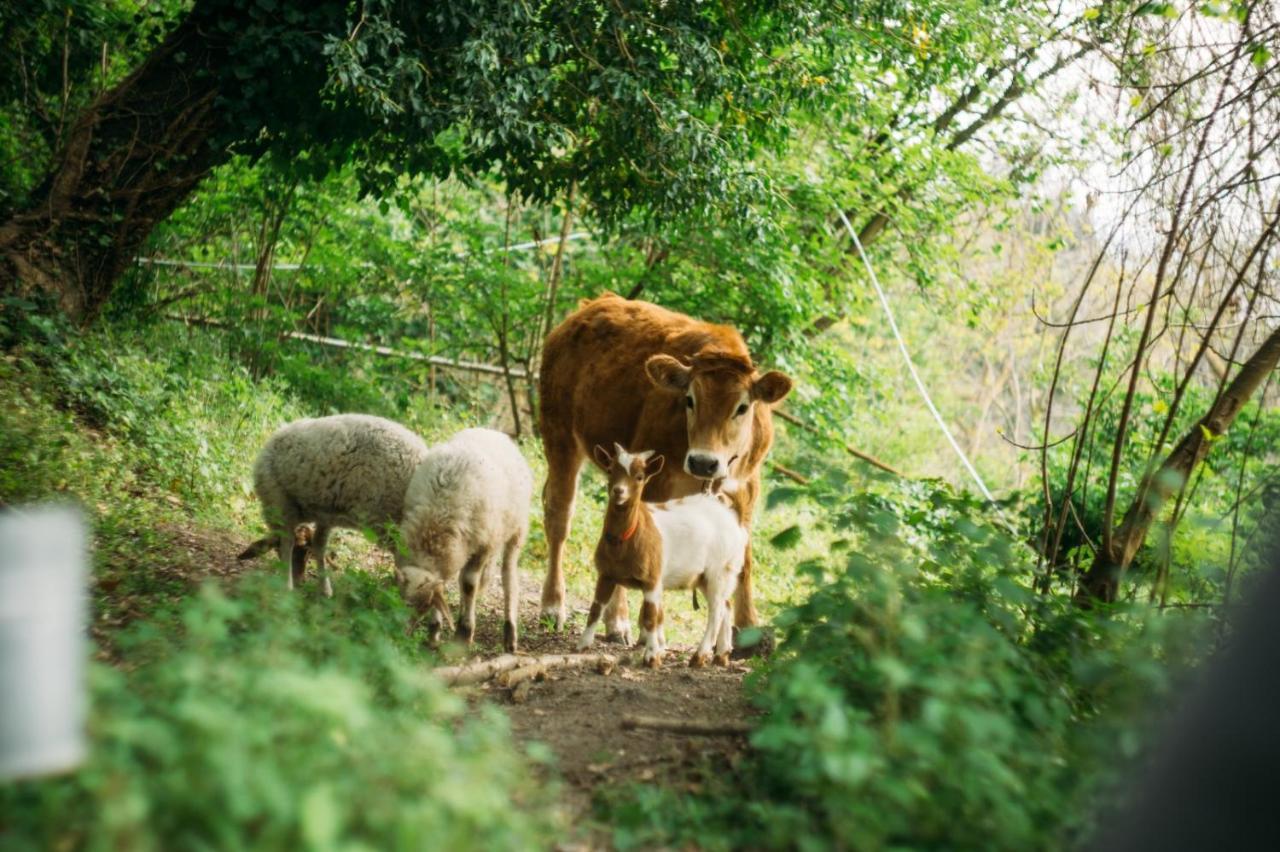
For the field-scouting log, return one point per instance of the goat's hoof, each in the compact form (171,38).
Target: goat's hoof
(722,659)
(699,660)
(464,633)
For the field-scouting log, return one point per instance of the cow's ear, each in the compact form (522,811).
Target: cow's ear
(771,387)
(668,373)
(602,457)
(653,466)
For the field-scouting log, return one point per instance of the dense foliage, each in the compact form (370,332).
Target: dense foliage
(220,215)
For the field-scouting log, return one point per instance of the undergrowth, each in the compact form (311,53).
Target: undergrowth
(923,696)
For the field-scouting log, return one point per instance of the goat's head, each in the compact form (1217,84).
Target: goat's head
(627,472)
(721,391)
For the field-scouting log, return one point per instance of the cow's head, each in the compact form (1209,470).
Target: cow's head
(721,391)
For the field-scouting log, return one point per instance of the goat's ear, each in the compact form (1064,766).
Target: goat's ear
(653,466)
(668,373)
(602,457)
(771,387)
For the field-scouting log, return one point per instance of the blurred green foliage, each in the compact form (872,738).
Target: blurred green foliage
(924,696)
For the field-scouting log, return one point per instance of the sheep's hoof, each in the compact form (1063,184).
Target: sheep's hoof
(509,637)
(699,660)
(722,659)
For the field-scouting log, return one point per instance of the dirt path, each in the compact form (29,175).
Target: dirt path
(574,714)
(577,713)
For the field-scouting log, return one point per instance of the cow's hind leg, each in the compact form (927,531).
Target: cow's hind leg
(617,618)
(564,463)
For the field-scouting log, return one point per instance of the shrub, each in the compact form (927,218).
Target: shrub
(276,721)
(924,697)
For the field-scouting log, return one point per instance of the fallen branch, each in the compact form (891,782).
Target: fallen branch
(789,473)
(686,726)
(857,454)
(513,677)
(385,351)
(480,671)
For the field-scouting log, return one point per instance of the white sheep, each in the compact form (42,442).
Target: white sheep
(348,470)
(467,506)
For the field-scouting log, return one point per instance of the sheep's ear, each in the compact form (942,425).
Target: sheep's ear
(653,466)
(602,457)
(771,387)
(668,373)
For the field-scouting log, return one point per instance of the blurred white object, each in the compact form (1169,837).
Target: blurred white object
(42,641)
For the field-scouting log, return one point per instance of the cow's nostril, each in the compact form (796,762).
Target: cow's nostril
(702,465)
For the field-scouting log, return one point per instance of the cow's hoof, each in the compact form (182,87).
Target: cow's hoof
(722,659)
(699,660)
(621,635)
(653,660)
(553,617)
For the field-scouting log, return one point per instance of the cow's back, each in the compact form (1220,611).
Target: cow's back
(594,389)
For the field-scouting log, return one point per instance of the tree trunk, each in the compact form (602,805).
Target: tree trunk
(1102,581)
(129,160)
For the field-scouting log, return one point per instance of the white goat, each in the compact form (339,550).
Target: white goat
(467,506)
(348,470)
(693,542)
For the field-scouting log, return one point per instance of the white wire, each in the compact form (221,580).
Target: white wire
(906,356)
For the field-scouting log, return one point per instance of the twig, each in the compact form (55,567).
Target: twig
(857,454)
(693,727)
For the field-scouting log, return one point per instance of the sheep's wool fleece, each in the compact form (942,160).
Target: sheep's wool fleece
(474,489)
(346,470)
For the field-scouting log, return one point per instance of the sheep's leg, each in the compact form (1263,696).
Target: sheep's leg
(510,594)
(471,580)
(283,528)
(319,542)
(604,588)
(564,463)
(651,622)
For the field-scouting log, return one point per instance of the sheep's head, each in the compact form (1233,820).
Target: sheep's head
(627,472)
(423,590)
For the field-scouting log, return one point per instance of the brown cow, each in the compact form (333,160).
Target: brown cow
(619,371)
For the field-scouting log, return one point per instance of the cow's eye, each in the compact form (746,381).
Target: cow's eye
(688,402)
(742,409)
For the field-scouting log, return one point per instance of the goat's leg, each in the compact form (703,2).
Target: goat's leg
(471,579)
(319,541)
(714,592)
(564,463)
(510,594)
(724,643)
(651,623)
(604,588)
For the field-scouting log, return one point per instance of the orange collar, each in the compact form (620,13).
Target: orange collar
(629,533)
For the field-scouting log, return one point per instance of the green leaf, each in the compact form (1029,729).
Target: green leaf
(788,538)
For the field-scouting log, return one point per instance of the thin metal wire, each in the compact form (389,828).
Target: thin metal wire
(906,356)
